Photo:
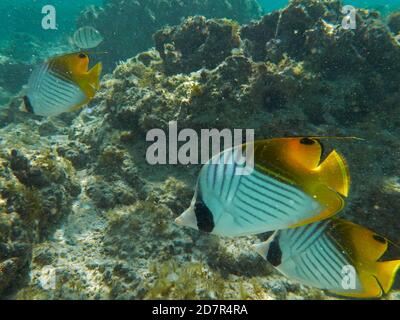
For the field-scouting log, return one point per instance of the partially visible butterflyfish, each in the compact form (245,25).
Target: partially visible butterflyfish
(289,186)
(87,38)
(62,84)
(336,255)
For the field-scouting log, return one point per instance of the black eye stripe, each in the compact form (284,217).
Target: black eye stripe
(82,55)
(274,255)
(204,217)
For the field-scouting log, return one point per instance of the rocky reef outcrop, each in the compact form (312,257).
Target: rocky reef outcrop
(293,72)
(36,191)
(128,26)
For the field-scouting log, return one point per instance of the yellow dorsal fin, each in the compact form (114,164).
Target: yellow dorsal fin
(305,151)
(335,173)
(363,244)
(290,152)
(365,247)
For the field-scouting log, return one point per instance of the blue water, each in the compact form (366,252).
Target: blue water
(20,16)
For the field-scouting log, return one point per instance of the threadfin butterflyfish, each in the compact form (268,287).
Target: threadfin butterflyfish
(87,37)
(62,84)
(288,187)
(336,255)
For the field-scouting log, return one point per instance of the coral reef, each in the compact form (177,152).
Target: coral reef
(36,191)
(127,18)
(294,72)
(394,22)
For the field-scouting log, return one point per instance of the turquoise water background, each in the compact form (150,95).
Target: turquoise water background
(25,16)
(21,16)
(18,15)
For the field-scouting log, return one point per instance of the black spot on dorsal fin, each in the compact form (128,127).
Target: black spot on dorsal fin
(379,238)
(307,141)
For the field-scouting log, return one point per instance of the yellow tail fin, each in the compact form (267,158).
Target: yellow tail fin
(335,173)
(386,273)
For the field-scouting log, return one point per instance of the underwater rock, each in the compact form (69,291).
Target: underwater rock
(121,22)
(36,191)
(197,43)
(394,22)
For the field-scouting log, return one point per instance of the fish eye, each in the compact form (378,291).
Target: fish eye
(82,56)
(307,141)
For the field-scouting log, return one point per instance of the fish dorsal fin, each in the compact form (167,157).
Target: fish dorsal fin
(362,244)
(366,248)
(334,172)
(289,152)
(70,66)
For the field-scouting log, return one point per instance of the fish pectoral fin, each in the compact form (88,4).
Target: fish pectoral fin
(334,172)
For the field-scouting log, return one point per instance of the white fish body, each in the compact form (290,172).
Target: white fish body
(309,255)
(248,204)
(87,38)
(50,94)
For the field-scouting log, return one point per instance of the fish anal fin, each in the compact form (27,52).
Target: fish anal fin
(334,172)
